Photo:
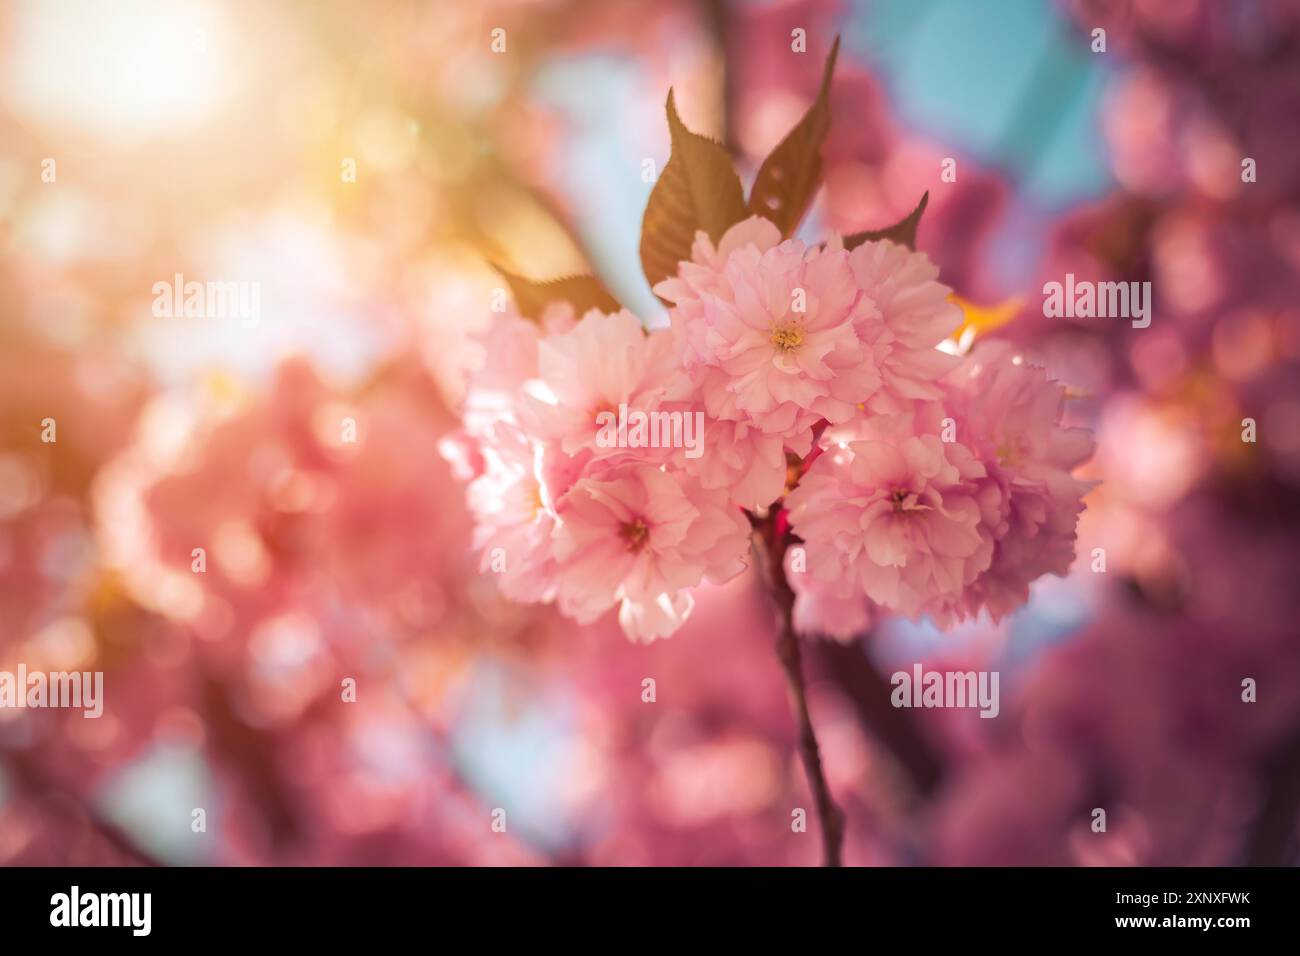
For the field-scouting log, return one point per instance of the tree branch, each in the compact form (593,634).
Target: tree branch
(867,689)
(775,536)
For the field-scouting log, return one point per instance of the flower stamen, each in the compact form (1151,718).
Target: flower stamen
(635,534)
(787,337)
(903,500)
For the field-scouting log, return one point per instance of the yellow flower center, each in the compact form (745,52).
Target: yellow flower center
(1011,452)
(787,337)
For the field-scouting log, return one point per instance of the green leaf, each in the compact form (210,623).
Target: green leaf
(789,177)
(903,231)
(583,292)
(698,189)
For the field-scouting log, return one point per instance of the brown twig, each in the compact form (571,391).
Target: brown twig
(776,538)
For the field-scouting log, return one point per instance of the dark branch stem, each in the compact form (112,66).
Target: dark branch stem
(828,813)
(831,818)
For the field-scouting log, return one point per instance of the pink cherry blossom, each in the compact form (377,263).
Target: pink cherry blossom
(825,608)
(747,463)
(780,342)
(913,316)
(780,322)
(896,513)
(1010,413)
(513,521)
(639,536)
(602,363)
(507,359)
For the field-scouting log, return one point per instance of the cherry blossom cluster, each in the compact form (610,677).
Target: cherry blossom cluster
(915,482)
